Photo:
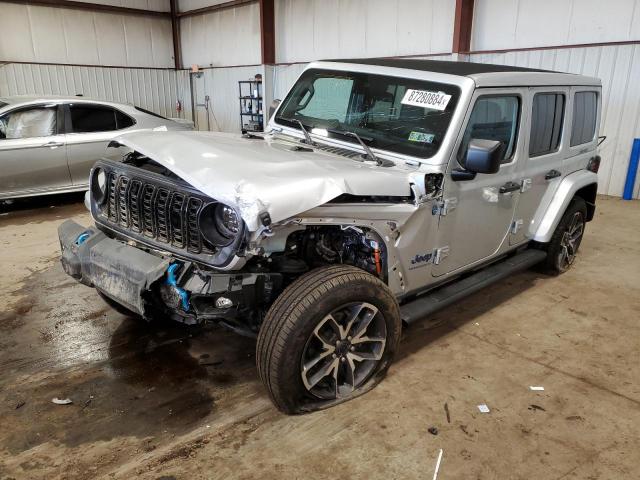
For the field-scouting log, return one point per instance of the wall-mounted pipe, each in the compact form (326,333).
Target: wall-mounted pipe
(632,171)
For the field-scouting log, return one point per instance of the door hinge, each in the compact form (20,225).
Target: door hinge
(526,184)
(445,206)
(440,254)
(515,225)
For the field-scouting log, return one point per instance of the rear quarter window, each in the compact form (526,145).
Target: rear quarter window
(585,110)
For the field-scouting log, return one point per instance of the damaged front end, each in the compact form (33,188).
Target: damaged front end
(162,248)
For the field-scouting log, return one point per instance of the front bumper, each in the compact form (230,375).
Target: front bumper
(122,272)
(141,282)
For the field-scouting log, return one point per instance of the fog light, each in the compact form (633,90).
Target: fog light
(223,302)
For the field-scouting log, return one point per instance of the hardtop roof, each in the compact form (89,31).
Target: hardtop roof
(483,74)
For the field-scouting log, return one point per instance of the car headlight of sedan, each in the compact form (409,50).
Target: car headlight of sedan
(99,185)
(220,224)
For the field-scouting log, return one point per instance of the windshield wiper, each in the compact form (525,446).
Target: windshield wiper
(368,151)
(307,137)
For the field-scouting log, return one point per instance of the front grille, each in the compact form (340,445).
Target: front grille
(163,214)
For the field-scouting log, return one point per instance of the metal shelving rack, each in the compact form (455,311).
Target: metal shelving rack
(251,114)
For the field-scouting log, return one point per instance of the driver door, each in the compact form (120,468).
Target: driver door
(478,213)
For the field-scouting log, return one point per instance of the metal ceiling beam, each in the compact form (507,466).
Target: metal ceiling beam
(175,30)
(93,7)
(215,8)
(462,26)
(267,32)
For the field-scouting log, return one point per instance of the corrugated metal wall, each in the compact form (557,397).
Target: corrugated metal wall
(314,29)
(152,89)
(71,36)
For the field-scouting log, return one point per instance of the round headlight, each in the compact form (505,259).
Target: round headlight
(219,224)
(227,221)
(99,185)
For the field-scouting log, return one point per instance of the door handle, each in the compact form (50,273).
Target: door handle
(509,187)
(53,144)
(552,174)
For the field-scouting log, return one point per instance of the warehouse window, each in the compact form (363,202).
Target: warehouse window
(546,123)
(97,118)
(585,110)
(493,118)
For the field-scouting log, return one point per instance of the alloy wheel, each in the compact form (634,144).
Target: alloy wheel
(343,350)
(571,241)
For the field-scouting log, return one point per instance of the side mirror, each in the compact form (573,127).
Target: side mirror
(484,156)
(274,106)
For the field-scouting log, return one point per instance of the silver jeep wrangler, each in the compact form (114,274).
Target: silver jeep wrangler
(382,191)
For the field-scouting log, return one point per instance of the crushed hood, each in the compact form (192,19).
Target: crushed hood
(257,176)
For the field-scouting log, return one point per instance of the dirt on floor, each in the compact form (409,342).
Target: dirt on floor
(167,401)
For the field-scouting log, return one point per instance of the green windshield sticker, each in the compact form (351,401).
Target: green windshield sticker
(421,137)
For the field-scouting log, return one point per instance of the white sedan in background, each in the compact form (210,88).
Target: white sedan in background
(49,144)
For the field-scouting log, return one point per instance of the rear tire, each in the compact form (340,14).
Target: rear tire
(565,242)
(329,337)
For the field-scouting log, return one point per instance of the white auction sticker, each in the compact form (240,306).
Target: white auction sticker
(422,98)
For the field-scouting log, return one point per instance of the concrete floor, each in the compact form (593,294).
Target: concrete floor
(165,402)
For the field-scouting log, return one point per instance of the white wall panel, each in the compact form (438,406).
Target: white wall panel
(155,90)
(227,37)
(186,5)
(155,5)
(619,69)
(70,36)
(504,24)
(315,29)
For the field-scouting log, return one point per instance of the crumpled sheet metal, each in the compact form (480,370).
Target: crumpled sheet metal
(255,176)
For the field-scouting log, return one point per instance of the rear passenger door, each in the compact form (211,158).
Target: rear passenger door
(90,127)
(545,147)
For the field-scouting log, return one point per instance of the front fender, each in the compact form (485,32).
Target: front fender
(565,192)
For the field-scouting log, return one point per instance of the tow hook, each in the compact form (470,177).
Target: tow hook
(172,281)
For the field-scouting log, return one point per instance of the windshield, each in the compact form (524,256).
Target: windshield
(401,115)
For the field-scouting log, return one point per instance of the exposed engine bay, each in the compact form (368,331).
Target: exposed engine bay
(317,246)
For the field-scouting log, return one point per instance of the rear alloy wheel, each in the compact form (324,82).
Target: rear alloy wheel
(329,337)
(570,242)
(564,245)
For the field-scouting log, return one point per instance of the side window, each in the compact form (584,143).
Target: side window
(123,121)
(585,108)
(493,118)
(28,123)
(331,101)
(547,115)
(92,118)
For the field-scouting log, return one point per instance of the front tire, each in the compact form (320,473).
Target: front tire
(329,337)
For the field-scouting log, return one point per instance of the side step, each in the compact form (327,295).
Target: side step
(444,296)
